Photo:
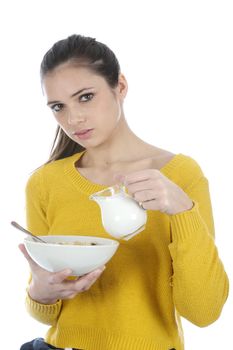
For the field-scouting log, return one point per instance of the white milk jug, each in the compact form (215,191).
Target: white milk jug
(122,217)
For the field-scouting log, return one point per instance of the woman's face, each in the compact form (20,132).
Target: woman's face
(84,105)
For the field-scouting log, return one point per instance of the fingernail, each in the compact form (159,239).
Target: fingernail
(119,177)
(98,272)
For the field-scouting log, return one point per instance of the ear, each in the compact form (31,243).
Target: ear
(122,86)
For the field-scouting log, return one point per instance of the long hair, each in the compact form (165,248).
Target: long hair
(83,51)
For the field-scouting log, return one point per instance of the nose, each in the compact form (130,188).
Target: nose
(75,117)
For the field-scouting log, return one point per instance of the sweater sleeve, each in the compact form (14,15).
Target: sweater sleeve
(200,284)
(37,223)
(44,313)
(36,205)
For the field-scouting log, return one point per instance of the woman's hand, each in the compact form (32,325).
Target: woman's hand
(47,287)
(155,191)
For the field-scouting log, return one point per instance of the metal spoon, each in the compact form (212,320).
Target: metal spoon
(36,238)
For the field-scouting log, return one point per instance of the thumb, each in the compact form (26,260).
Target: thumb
(119,178)
(23,249)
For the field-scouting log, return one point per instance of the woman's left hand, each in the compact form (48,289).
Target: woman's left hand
(154,191)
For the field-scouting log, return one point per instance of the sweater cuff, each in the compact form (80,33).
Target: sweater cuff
(45,313)
(187,224)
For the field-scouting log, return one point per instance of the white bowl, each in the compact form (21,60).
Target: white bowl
(81,259)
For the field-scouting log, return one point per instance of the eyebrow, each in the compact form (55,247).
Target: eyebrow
(74,94)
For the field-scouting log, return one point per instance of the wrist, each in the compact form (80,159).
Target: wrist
(35,297)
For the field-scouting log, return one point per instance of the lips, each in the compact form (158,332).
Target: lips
(81,132)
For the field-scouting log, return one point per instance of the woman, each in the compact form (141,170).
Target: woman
(171,269)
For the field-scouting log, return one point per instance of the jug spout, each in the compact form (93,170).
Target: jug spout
(108,192)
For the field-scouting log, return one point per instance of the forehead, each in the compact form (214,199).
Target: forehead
(67,78)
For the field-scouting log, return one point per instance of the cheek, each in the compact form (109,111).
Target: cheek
(61,123)
(110,111)
(66,131)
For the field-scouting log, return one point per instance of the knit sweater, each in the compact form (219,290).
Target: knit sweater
(169,270)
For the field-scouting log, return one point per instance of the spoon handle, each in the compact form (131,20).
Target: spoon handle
(19,227)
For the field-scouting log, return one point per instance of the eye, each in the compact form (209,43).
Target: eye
(86,97)
(57,107)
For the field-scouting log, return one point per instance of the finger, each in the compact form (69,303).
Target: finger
(60,276)
(86,281)
(146,195)
(119,178)
(151,205)
(140,176)
(72,287)
(141,186)
(68,295)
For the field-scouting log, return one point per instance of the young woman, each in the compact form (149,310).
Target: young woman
(169,270)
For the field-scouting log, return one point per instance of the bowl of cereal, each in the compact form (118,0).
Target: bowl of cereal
(81,254)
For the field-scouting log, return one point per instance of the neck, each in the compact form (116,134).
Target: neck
(122,146)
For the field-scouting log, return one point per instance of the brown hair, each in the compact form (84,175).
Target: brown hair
(96,56)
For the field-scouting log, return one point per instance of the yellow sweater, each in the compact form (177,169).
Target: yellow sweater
(171,269)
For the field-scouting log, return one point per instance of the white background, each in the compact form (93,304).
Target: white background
(177,57)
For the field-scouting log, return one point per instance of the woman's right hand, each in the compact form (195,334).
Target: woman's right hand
(48,287)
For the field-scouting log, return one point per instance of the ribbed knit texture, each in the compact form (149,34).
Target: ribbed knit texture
(171,269)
